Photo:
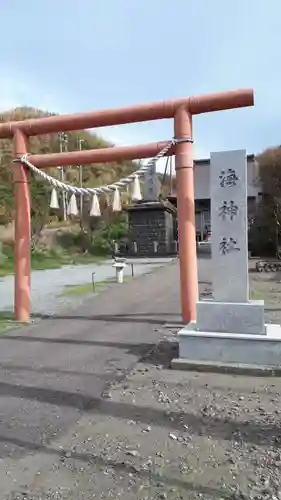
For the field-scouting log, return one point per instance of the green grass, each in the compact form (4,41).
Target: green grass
(84,289)
(87,288)
(254,295)
(7,321)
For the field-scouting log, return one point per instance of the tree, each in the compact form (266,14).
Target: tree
(265,231)
(270,179)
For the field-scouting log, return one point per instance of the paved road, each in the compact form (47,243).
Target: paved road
(46,286)
(54,371)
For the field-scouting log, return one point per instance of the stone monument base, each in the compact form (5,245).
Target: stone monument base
(231,317)
(219,348)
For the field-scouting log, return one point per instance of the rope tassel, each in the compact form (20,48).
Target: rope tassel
(136,193)
(116,205)
(54,202)
(95,209)
(72,206)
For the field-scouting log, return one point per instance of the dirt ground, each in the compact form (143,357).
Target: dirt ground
(165,434)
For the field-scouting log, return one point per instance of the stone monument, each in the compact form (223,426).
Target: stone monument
(151,222)
(230,328)
(151,187)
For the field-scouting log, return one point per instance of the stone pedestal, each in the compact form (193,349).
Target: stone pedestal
(230,329)
(151,229)
(239,317)
(232,349)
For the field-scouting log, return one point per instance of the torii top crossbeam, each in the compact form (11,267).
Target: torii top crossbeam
(181,110)
(119,116)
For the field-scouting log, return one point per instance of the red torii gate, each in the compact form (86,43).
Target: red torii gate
(179,109)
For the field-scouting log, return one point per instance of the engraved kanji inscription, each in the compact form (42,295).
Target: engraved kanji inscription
(228,178)
(228,245)
(228,210)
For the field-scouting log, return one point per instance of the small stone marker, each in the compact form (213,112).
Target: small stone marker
(151,185)
(229,226)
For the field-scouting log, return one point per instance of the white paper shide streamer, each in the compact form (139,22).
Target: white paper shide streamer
(116,205)
(72,208)
(136,191)
(54,202)
(95,208)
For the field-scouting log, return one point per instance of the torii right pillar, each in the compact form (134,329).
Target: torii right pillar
(186,214)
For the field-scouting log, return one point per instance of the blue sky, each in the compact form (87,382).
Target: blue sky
(68,56)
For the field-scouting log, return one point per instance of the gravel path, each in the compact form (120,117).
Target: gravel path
(176,435)
(90,410)
(46,286)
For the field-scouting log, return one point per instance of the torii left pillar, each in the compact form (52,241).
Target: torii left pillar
(186,214)
(22,230)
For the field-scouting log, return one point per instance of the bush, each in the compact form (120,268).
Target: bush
(100,246)
(100,243)
(116,230)
(73,241)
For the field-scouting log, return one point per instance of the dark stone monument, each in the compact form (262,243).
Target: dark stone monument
(151,222)
(151,229)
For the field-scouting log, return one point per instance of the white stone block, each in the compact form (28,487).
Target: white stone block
(231,317)
(232,347)
(229,226)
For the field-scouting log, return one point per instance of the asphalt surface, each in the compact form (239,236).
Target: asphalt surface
(54,371)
